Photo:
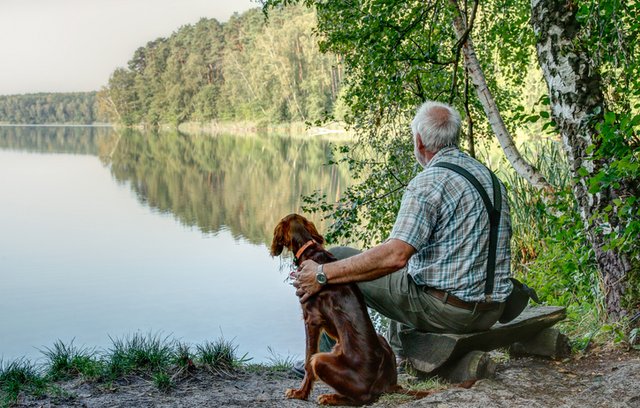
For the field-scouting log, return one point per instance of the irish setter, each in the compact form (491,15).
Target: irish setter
(361,365)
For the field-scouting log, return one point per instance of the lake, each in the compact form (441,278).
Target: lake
(108,234)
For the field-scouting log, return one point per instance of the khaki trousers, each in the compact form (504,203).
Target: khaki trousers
(409,306)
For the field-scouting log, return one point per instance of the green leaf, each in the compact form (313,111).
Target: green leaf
(609,117)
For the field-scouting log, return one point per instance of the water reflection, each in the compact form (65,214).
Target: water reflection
(55,139)
(243,184)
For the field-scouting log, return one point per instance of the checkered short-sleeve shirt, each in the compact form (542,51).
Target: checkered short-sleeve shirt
(444,218)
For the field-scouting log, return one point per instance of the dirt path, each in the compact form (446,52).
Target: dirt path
(609,379)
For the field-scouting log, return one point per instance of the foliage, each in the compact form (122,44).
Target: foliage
(248,69)
(398,53)
(609,33)
(162,381)
(43,108)
(549,247)
(619,140)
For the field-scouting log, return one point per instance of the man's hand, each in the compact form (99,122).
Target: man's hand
(305,283)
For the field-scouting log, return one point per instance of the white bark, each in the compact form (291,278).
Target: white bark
(525,169)
(577,105)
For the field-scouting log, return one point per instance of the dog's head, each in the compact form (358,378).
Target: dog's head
(292,232)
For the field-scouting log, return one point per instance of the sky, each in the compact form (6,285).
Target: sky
(75,45)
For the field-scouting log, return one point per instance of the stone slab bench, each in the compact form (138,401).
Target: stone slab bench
(461,357)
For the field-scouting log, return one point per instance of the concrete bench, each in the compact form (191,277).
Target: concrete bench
(461,357)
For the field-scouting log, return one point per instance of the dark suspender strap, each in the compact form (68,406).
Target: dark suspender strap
(494,218)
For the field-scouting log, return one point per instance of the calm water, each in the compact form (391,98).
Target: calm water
(110,234)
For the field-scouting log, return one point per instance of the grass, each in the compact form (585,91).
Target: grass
(278,362)
(20,377)
(434,383)
(138,354)
(69,361)
(219,356)
(157,358)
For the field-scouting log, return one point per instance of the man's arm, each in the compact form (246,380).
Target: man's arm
(374,263)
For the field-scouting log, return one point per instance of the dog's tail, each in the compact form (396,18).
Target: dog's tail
(422,394)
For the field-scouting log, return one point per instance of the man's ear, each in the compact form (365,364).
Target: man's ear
(419,144)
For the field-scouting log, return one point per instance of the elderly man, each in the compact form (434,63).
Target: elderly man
(430,274)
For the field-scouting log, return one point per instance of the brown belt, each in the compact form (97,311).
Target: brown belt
(457,302)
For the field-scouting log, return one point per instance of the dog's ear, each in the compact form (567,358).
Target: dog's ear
(308,225)
(280,238)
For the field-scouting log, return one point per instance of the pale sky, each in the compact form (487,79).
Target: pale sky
(75,45)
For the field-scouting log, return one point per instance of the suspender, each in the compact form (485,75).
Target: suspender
(494,218)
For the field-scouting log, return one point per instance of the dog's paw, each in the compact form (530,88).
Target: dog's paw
(296,394)
(334,399)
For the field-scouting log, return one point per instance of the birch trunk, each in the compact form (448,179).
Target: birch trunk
(525,169)
(577,105)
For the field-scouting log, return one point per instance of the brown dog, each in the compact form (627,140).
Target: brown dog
(361,365)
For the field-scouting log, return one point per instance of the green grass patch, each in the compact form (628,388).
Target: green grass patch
(278,362)
(162,381)
(69,361)
(421,385)
(157,358)
(183,358)
(219,356)
(140,354)
(20,377)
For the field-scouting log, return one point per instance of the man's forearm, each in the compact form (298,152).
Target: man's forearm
(374,263)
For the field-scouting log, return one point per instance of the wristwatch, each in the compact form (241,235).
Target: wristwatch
(321,278)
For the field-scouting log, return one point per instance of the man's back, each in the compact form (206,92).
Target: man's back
(443,217)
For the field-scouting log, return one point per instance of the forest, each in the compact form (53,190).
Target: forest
(247,69)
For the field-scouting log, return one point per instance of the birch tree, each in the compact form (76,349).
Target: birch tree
(580,109)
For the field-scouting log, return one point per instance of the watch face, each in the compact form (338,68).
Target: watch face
(321,278)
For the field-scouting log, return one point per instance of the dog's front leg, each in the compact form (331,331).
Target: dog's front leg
(313,336)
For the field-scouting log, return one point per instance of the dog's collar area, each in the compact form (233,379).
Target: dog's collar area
(302,249)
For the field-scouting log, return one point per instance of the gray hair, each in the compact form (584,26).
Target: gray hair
(438,125)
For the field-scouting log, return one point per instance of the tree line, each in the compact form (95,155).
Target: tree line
(51,108)
(247,69)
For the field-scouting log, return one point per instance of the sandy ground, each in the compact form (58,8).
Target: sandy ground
(598,379)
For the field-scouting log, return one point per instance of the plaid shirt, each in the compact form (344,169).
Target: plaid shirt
(444,218)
